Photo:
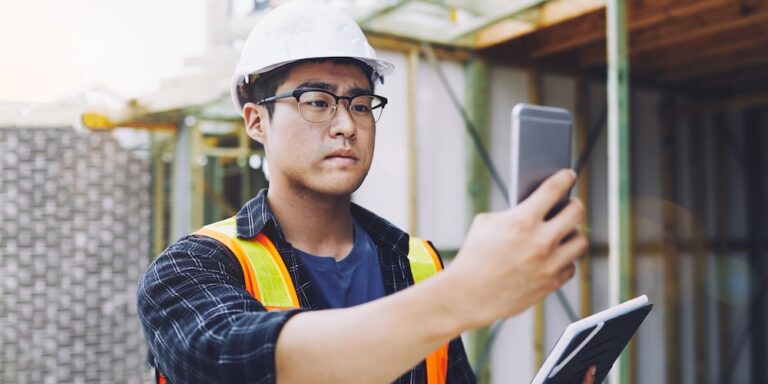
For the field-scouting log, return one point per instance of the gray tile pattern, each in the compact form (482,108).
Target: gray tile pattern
(74,237)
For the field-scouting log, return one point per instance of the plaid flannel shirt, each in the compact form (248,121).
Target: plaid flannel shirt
(202,326)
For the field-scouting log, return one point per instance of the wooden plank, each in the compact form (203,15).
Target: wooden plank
(741,79)
(590,29)
(705,21)
(706,70)
(404,45)
(725,104)
(550,13)
(413,145)
(582,128)
(730,46)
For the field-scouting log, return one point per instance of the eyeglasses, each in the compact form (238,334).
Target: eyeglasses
(319,105)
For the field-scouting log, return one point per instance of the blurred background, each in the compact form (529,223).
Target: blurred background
(117,137)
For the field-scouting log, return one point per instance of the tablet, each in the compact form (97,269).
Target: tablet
(595,340)
(540,146)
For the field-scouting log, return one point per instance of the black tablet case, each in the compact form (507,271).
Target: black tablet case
(602,350)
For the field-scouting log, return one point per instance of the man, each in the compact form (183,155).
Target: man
(335,307)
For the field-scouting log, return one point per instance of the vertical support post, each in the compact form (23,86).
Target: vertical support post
(756,228)
(478,180)
(698,242)
(582,122)
(720,160)
(182,168)
(534,97)
(671,257)
(158,195)
(197,203)
(413,191)
(619,210)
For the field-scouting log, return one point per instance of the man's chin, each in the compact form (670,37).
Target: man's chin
(342,186)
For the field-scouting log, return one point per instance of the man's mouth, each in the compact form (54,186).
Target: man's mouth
(343,154)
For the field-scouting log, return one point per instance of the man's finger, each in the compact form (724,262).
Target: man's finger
(544,198)
(571,250)
(566,220)
(589,377)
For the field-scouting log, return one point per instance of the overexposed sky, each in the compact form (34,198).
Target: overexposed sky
(57,49)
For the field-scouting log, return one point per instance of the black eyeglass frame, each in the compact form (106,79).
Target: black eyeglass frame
(296,94)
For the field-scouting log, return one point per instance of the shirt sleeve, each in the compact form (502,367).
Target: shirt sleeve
(199,321)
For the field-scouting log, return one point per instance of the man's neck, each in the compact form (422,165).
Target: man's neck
(316,224)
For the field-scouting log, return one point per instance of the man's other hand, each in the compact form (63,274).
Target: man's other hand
(589,377)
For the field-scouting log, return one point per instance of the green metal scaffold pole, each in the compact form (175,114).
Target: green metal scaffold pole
(619,224)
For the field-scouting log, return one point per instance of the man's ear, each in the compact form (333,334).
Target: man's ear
(256,119)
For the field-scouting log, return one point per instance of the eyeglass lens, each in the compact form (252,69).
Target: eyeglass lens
(319,107)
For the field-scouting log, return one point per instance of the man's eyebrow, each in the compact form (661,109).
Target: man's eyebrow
(318,85)
(358,91)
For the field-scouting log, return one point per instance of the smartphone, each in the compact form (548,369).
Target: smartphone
(540,146)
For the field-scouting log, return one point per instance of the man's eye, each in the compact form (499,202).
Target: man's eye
(361,108)
(317,103)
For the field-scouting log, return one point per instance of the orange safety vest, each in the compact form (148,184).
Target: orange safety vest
(267,278)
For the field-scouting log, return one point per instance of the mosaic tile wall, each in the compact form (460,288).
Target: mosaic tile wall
(74,238)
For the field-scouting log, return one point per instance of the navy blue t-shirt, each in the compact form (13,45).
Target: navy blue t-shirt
(356,279)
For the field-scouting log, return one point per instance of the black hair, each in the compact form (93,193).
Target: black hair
(265,85)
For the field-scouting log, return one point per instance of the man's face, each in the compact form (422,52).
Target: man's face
(330,158)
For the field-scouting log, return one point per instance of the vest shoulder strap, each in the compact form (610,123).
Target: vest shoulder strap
(423,259)
(264,272)
(424,264)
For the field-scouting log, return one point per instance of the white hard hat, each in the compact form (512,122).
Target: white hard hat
(301,30)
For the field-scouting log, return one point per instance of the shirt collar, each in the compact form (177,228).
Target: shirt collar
(254,216)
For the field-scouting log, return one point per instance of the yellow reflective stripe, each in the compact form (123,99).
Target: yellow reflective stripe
(424,264)
(423,260)
(275,284)
(261,263)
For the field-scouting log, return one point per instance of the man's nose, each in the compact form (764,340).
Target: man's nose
(342,123)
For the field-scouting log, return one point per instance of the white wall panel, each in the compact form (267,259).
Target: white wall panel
(509,86)
(442,157)
(385,191)
(512,354)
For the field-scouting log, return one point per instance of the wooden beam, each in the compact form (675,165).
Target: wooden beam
(710,69)
(676,25)
(399,44)
(582,131)
(724,104)
(547,14)
(741,80)
(687,26)
(413,145)
(730,46)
